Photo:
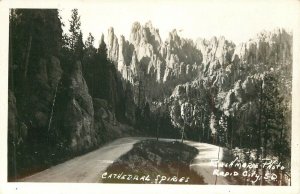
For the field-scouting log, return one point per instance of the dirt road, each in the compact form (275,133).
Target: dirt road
(88,168)
(203,162)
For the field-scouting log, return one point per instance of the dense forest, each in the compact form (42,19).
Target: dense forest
(67,97)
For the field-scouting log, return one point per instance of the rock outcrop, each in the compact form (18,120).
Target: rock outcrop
(267,47)
(112,46)
(17,130)
(75,112)
(146,55)
(231,78)
(43,88)
(202,85)
(217,51)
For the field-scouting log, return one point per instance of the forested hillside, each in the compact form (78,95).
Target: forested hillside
(242,98)
(213,90)
(67,97)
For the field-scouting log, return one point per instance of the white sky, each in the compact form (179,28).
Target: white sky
(236,20)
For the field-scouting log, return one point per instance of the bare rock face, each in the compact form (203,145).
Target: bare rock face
(146,55)
(43,87)
(184,49)
(181,57)
(147,45)
(76,114)
(232,75)
(134,64)
(216,65)
(112,46)
(125,53)
(54,71)
(124,59)
(17,130)
(227,74)
(146,39)
(216,52)
(267,47)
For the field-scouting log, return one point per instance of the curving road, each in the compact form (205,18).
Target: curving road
(202,163)
(88,168)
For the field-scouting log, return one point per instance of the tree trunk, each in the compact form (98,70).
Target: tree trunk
(240,137)
(203,132)
(229,124)
(11,69)
(208,135)
(281,137)
(28,49)
(265,143)
(139,93)
(182,132)
(259,143)
(201,128)
(157,129)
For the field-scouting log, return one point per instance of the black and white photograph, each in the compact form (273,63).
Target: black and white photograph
(169,93)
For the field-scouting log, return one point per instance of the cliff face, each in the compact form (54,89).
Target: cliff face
(112,46)
(216,50)
(52,115)
(57,110)
(153,67)
(267,47)
(145,55)
(233,79)
(182,58)
(76,112)
(214,78)
(43,87)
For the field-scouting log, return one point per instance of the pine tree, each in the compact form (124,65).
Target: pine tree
(89,43)
(97,69)
(203,114)
(89,62)
(73,45)
(74,29)
(79,47)
(102,50)
(271,122)
(272,112)
(34,35)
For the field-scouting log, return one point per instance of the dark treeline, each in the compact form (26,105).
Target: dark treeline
(64,93)
(34,37)
(66,97)
(252,113)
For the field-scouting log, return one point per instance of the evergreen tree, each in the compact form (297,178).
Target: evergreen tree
(89,43)
(102,50)
(37,32)
(74,30)
(79,47)
(73,47)
(202,114)
(272,113)
(35,35)
(89,61)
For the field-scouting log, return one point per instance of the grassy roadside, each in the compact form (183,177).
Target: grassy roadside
(152,161)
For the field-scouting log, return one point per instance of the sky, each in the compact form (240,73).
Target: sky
(238,21)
